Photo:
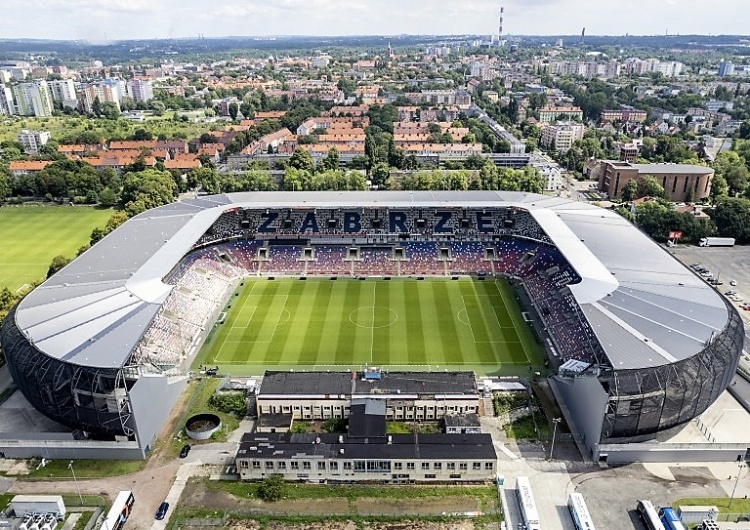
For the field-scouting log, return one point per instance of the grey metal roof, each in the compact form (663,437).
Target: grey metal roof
(95,310)
(669,169)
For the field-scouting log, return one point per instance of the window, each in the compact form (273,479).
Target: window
(398,466)
(463,466)
(321,466)
(269,464)
(451,466)
(430,475)
(410,466)
(256,464)
(306,465)
(489,466)
(425,465)
(334,466)
(437,466)
(294,464)
(348,466)
(243,464)
(476,466)
(282,466)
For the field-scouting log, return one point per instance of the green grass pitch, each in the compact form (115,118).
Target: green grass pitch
(32,235)
(433,324)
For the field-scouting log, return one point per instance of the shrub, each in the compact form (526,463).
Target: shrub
(229,402)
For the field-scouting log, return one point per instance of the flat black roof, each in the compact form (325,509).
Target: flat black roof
(462,420)
(401,447)
(305,383)
(275,420)
(353,383)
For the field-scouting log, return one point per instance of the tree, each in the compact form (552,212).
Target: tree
(379,174)
(147,189)
(233,109)
(719,188)
(58,262)
(630,191)
(732,218)
(271,489)
(141,134)
(4,186)
(302,160)
(331,161)
(648,186)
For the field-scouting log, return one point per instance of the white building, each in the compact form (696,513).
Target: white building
(552,176)
(6,101)
(561,137)
(33,99)
(64,90)
(33,140)
(140,90)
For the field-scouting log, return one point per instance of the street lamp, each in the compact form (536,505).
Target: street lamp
(70,466)
(734,489)
(555,421)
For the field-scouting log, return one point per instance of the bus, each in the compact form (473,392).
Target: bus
(120,511)
(649,516)
(527,504)
(580,512)
(670,519)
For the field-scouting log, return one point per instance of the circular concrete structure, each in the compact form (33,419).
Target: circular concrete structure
(202,426)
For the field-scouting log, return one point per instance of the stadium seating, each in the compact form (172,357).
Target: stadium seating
(502,241)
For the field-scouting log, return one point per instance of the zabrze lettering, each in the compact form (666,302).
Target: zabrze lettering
(443,222)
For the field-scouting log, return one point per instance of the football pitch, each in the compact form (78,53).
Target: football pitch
(33,235)
(432,324)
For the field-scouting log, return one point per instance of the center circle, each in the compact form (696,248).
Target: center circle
(373,317)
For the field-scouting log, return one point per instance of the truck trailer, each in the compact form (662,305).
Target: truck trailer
(716,242)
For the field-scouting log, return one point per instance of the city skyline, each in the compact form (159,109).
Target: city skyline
(106,20)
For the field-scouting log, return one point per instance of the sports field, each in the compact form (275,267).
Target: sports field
(32,235)
(402,323)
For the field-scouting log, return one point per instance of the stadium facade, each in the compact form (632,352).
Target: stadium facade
(644,344)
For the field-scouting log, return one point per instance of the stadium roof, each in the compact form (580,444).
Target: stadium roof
(646,308)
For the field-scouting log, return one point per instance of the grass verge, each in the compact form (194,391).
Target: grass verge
(85,469)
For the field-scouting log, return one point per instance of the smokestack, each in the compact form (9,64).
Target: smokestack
(500,27)
(583,34)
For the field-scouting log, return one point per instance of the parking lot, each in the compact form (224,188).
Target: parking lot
(726,264)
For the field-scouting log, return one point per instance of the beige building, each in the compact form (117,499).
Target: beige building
(367,454)
(682,182)
(407,396)
(561,137)
(551,114)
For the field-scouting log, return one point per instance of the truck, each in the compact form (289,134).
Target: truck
(716,242)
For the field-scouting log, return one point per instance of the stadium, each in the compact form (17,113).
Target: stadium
(639,344)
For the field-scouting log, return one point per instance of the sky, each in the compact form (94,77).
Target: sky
(110,20)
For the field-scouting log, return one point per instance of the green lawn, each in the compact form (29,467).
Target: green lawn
(318,324)
(61,126)
(33,235)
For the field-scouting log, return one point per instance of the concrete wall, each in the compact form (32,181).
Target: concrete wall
(667,453)
(145,394)
(71,449)
(584,403)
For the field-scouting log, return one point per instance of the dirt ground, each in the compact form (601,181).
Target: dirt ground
(195,496)
(350,525)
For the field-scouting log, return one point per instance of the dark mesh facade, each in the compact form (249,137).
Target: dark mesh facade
(641,402)
(88,399)
(645,401)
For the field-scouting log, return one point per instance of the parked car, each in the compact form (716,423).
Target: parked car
(162,511)
(184,451)
(733,283)
(730,292)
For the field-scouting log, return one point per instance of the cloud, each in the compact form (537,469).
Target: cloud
(133,19)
